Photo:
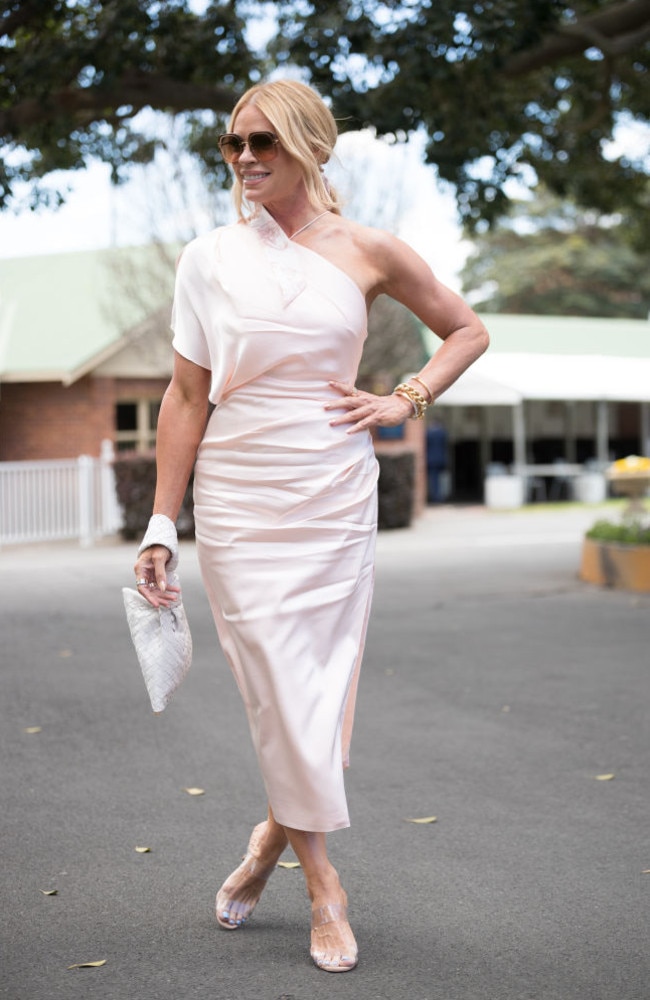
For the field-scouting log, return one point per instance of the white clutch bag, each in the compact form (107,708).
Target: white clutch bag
(163,644)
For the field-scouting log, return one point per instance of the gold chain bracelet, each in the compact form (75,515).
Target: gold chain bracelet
(415,398)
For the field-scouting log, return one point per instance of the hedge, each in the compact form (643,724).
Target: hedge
(395,490)
(135,482)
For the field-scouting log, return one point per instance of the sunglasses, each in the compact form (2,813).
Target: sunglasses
(263,146)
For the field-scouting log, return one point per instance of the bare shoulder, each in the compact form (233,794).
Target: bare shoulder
(374,258)
(366,239)
(389,257)
(381,263)
(401,273)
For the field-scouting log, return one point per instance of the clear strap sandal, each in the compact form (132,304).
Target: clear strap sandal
(332,949)
(232,911)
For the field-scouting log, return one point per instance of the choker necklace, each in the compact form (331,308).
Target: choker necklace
(308,224)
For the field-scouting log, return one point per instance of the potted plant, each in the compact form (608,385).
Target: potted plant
(617,554)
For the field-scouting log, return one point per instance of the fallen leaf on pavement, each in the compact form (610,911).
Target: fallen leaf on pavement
(288,864)
(194,791)
(88,965)
(604,777)
(143,850)
(423,819)
(33,729)
(50,892)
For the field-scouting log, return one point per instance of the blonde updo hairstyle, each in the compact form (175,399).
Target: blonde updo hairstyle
(306,129)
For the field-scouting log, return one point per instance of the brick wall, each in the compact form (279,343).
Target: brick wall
(139,388)
(48,420)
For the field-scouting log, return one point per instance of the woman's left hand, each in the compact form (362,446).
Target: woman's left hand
(364,410)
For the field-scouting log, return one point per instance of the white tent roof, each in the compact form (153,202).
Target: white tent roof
(557,358)
(475,388)
(505,379)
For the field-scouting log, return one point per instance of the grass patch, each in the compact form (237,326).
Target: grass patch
(560,506)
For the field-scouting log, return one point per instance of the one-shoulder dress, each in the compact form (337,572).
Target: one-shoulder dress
(285,504)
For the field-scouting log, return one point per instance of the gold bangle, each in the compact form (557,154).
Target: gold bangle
(416,378)
(416,399)
(413,415)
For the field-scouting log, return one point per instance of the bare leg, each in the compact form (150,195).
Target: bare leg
(333,947)
(241,891)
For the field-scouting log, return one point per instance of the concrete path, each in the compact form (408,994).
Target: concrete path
(496,690)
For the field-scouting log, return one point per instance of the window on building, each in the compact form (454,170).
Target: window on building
(135,424)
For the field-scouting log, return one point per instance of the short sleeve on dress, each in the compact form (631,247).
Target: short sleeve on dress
(189,292)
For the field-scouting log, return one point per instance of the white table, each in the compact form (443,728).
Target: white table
(559,472)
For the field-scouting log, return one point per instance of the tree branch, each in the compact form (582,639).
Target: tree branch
(614,30)
(137,90)
(610,47)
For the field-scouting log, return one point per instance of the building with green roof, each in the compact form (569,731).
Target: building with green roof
(85,350)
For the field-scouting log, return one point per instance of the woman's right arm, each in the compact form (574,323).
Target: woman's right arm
(181,424)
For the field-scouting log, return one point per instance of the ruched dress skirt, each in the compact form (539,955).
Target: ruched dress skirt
(285,504)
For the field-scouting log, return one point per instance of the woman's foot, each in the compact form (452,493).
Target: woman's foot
(333,947)
(240,893)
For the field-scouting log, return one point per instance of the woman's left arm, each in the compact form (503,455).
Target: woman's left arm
(406,277)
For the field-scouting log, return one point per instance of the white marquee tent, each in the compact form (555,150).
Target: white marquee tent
(558,358)
(505,379)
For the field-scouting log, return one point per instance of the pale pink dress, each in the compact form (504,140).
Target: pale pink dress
(285,504)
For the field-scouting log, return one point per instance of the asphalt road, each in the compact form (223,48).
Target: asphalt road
(496,689)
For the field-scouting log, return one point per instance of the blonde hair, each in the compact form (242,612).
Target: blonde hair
(306,129)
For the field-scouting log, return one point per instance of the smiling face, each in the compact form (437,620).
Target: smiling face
(278,182)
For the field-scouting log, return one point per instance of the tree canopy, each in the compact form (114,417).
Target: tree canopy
(549,257)
(74,74)
(505,89)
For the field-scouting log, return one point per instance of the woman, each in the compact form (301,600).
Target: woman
(269,320)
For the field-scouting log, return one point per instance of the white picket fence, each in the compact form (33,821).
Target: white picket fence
(59,499)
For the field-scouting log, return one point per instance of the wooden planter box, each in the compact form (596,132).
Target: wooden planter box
(611,564)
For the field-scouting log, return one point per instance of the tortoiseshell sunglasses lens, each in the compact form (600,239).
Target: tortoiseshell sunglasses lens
(263,146)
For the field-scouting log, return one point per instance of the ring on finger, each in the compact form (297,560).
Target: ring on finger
(141,583)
